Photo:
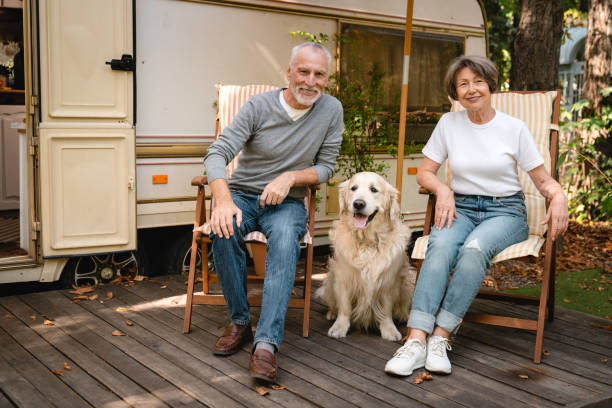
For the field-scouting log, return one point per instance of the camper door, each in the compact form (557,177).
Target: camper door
(86,131)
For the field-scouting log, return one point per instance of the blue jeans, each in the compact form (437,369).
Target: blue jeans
(485,226)
(283,225)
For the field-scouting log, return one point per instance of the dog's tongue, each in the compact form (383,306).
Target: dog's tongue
(360,220)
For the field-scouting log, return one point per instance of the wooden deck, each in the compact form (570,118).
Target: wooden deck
(154,364)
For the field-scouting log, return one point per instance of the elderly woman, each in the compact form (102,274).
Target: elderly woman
(480,214)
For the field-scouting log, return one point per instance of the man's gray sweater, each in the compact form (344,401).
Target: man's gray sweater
(272,143)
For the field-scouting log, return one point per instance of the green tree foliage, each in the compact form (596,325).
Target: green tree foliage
(500,25)
(367,127)
(588,163)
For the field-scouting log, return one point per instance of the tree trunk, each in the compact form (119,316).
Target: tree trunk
(598,52)
(535,53)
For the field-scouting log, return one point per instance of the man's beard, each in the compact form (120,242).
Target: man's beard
(303,100)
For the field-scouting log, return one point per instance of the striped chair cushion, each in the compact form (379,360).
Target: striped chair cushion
(229,101)
(253,236)
(535,109)
(531,246)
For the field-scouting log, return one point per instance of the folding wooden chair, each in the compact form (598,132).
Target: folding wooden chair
(540,111)
(230,99)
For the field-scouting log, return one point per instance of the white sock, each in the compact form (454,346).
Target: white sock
(262,345)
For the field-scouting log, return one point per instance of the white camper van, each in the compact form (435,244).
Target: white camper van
(118,108)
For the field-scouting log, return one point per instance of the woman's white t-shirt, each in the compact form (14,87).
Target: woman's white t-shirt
(483,159)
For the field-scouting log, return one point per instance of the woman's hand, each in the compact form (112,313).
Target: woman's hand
(445,207)
(557,215)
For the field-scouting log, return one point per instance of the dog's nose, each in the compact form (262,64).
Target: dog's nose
(358,204)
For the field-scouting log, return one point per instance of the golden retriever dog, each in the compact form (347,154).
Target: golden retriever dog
(370,280)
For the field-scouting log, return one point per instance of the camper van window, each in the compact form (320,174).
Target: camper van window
(430,55)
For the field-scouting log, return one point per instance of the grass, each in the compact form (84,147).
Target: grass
(587,291)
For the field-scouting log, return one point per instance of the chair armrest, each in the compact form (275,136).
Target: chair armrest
(199,181)
(423,190)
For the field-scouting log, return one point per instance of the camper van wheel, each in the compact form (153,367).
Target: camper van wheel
(102,268)
(179,256)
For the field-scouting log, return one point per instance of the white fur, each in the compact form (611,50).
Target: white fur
(370,279)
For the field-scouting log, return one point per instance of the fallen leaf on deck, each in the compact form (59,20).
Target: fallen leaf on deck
(604,360)
(109,295)
(33,317)
(81,290)
(116,281)
(601,326)
(82,297)
(117,333)
(67,366)
(174,301)
(565,300)
(48,323)
(261,390)
(546,352)
(58,372)
(163,287)
(122,309)
(425,376)
(278,387)
(139,278)
(523,376)
(8,315)
(129,322)
(94,296)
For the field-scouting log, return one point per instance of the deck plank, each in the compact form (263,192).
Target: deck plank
(496,369)
(468,377)
(47,383)
(154,319)
(115,357)
(19,390)
(586,362)
(156,365)
(148,349)
(97,368)
(4,401)
(291,366)
(95,393)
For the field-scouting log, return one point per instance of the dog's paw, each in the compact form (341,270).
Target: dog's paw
(339,329)
(331,315)
(390,332)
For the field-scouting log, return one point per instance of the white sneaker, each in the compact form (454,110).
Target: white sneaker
(407,358)
(437,360)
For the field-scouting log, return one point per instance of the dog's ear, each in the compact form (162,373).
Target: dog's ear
(343,195)
(393,205)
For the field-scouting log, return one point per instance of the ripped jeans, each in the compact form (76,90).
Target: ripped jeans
(485,226)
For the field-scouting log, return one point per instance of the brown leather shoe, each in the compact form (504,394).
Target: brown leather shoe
(263,365)
(232,339)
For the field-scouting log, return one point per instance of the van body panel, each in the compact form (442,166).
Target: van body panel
(87,156)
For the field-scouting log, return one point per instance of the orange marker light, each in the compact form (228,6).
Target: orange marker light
(160,179)
(412,170)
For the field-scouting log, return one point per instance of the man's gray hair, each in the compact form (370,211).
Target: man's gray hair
(479,65)
(314,45)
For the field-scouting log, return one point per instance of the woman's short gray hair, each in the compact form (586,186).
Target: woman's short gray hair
(479,65)
(314,45)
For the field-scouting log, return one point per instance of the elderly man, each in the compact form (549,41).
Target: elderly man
(289,139)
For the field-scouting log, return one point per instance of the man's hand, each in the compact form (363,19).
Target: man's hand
(224,211)
(445,207)
(221,219)
(276,191)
